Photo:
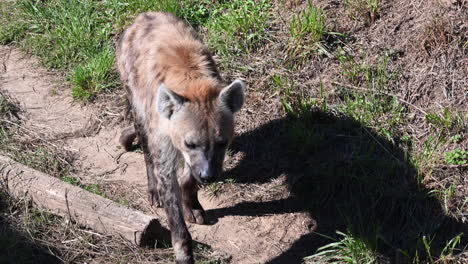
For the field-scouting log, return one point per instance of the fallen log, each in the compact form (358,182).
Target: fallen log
(81,206)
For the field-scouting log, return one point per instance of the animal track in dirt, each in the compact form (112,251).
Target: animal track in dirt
(50,112)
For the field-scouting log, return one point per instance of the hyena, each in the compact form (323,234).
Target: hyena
(183,116)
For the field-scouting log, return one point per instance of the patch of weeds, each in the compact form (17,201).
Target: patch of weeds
(446,256)
(456,138)
(230,180)
(69,35)
(195,12)
(383,113)
(238,27)
(367,11)
(123,201)
(282,84)
(124,12)
(304,111)
(457,157)
(10,30)
(349,249)
(71,180)
(307,31)
(368,98)
(94,76)
(425,160)
(444,196)
(92,188)
(362,74)
(214,189)
(295,103)
(8,108)
(447,123)
(65,32)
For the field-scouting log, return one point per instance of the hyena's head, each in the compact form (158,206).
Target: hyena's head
(202,128)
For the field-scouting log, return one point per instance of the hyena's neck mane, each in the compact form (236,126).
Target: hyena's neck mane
(191,71)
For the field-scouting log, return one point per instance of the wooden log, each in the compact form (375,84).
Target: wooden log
(81,206)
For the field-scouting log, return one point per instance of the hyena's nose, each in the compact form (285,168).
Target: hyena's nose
(206,175)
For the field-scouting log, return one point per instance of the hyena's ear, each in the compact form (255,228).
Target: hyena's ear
(168,101)
(232,96)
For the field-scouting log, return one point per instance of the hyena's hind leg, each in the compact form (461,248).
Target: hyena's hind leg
(192,209)
(127,137)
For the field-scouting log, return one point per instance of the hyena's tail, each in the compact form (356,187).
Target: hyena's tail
(127,137)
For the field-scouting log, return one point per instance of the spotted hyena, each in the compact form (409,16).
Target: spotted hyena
(183,116)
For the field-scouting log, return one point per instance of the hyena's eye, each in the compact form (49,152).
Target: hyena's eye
(190,145)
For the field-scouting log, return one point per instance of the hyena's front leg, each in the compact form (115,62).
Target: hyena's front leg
(193,211)
(153,195)
(171,196)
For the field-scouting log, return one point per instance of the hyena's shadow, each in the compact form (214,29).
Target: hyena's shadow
(348,179)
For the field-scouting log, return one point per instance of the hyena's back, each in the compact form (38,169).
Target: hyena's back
(159,48)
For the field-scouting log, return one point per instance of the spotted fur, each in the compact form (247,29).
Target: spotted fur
(183,116)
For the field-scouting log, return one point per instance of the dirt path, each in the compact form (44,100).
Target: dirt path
(49,110)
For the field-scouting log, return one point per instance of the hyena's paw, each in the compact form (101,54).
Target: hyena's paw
(194,216)
(153,198)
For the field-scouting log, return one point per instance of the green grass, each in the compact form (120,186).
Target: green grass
(376,76)
(349,249)
(238,27)
(365,10)
(92,188)
(8,108)
(457,157)
(196,12)
(307,32)
(445,257)
(369,97)
(64,33)
(447,123)
(95,76)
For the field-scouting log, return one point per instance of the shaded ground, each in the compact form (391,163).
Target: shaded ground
(16,247)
